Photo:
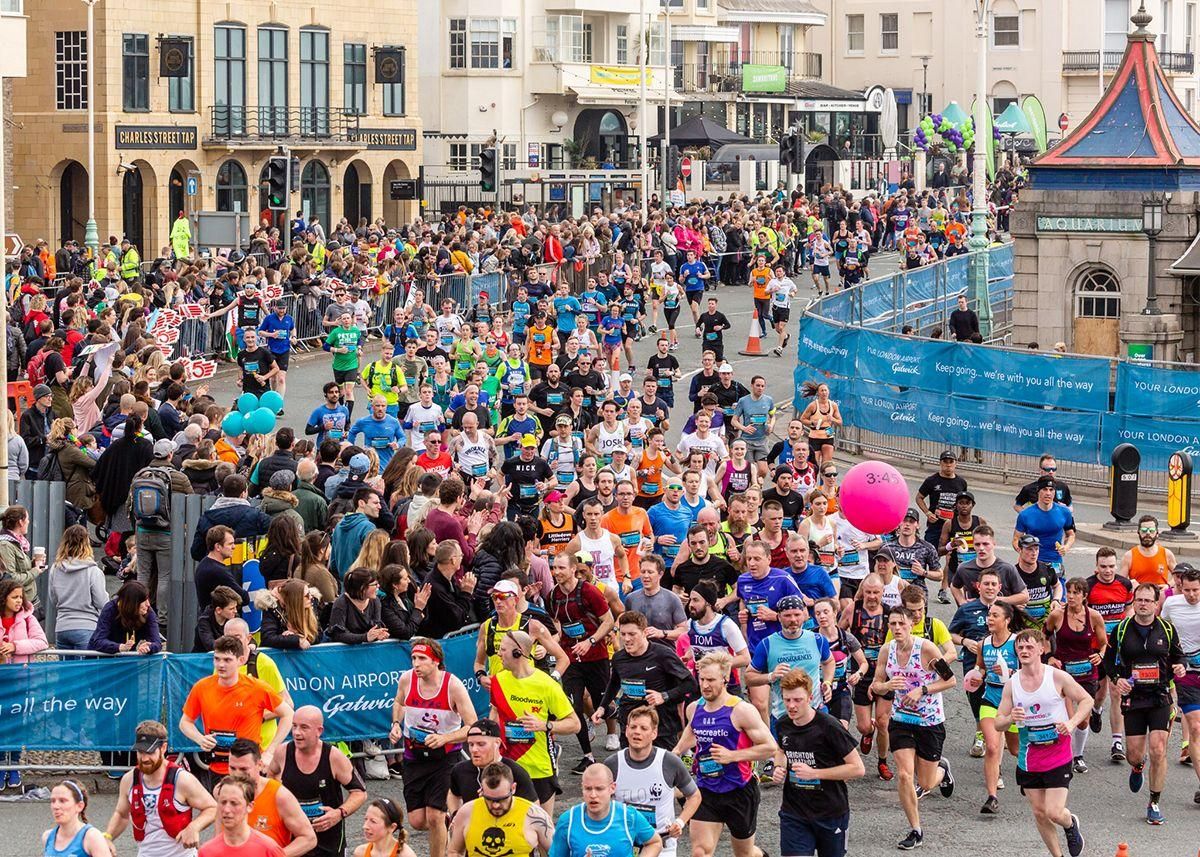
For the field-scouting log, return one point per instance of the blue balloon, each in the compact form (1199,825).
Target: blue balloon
(260,421)
(246,403)
(234,424)
(272,401)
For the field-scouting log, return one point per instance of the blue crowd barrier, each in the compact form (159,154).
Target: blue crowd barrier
(95,704)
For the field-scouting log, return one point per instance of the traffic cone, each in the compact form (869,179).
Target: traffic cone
(1122,850)
(753,344)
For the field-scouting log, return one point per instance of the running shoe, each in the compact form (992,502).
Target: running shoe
(612,742)
(786,338)
(1185,755)
(913,840)
(991,806)
(583,765)
(1136,778)
(778,352)
(921,792)
(865,742)
(885,773)
(652,328)
(1117,754)
(1196,796)
(1094,720)
(591,730)
(1074,838)
(1000,784)
(1079,766)
(13,780)
(1154,814)
(943,597)
(947,785)
(4,775)
(977,748)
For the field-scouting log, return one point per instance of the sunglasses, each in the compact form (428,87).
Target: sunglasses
(1147,529)
(829,474)
(1049,469)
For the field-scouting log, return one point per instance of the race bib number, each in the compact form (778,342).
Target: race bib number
(708,766)
(1042,735)
(574,630)
(633,688)
(1145,673)
(515,733)
(312,809)
(1078,669)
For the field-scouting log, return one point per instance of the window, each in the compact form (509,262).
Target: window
(889,32)
(1116,26)
(677,63)
(1165,22)
(232,191)
(1189,27)
(787,45)
(657,51)
(1189,101)
(622,44)
(458,43)
(1098,295)
(702,65)
(568,39)
(508,41)
(509,156)
(458,157)
(135,71)
(314,191)
(70,70)
(181,90)
(485,43)
(272,81)
(855,34)
(229,65)
(1000,103)
(395,102)
(703,5)
(1006,31)
(354,78)
(314,82)
(587,43)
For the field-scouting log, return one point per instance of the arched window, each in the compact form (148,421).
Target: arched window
(314,191)
(232,192)
(1097,294)
(1004,93)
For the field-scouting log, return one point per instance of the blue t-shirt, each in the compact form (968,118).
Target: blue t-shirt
(755,414)
(613,329)
(767,591)
(814,582)
(378,434)
(1049,527)
(689,274)
(273,324)
(806,652)
(669,522)
(619,834)
(332,422)
(565,309)
(520,313)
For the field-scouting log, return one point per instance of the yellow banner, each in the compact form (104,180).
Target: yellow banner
(619,75)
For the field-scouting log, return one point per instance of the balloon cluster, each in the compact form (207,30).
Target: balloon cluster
(254,414)
(952,137)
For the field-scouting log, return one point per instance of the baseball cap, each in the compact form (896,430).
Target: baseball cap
(1028,541)
(147,739)
(1046,482)
(164,447)
(625,376)
(505,587)
(528,440)
(554,496)
(562,420)
(885,553)
(485,728)
(359,463)
(1183,568)
(947,455)
(724,367)
(912,514)
(583,556)
(965,495)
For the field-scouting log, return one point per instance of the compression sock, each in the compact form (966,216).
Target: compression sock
(1079,738)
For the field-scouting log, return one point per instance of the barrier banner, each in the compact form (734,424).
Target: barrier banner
(1155,439)
(829,349)
(1149,391)
(354,686)
(899,361)
(78,705)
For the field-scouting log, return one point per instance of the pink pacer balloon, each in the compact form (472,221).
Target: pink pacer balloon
(873,497)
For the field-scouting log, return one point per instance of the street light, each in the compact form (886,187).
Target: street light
(924,87)
(91,235)
(1152,217)
(978,243)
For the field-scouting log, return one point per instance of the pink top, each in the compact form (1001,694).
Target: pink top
(27,635)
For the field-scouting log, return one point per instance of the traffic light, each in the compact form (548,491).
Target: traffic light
(674,166)
(488,170)
(294,175)
(797,152)
(278,184)
(785,150)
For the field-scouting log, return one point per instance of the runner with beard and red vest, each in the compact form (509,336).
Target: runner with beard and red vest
(166,805)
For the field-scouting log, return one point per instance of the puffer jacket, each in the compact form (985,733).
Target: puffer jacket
(26,635)
(77,468)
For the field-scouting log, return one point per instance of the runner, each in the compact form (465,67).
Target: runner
(815,758)
(277,328)
(167,806)
(782,291)
(330,420)
(1035,700)
(1183,611)
(1111,596)
(1144,654)
(760,589)
(914,670)
(956,541)
(429,716)
(506,602)
(498,822)
(968,630)
(609,557)
(235,796)
(345,343)
(483,749)
(1051,522)
(648,778)
(1079,644)
(726,737)
(938,495)
(1148,561)
(996,661)
(383,830)
(72,835)
(866,619)
(791,648)
(850,664)
(275,811)
(600,825)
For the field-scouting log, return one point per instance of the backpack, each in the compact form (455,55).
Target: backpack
(36,370)
(49,469)
(150,498)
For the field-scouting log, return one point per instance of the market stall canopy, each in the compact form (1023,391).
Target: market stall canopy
(954,114)
(1012,121)
(701,131)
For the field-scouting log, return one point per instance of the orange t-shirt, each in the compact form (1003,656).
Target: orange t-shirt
(1149,569)
(235,711)
(648,475)
(760,277)
(264,815)
(541,345)
(629,529)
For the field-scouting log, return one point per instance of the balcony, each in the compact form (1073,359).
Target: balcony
(252,126)
(770,72)
(1084,62)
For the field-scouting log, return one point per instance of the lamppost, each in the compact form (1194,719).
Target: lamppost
(924,86)
(1152,216)
(978,243)
(91,235)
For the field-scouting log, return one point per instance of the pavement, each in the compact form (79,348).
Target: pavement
(1108,812)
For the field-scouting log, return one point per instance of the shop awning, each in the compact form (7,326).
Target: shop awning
(628,95)
(1187,265)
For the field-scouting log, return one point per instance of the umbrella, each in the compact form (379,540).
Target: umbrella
(1012,121)
(701,131)
(888,126)
(954,114)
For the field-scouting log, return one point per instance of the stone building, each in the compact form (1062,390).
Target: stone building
(1083,271)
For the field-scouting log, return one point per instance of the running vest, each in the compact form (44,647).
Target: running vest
(473,456)
(891,592)
(826,554)
(965,534)
(645,790)
(494,633)
(601,549)
(1003,657)
(870,631)
(563,457)
(1149,569)
(1109,599)
(489,836)
(928,710)
(316,790)
(715,728)
(1074,648)
(170,817)
(714,640)
(74,847)
(607,441)
(556,537)
(425,716)
(734,481)
(1042,748)
(382,377)
(572,614)
(264,815)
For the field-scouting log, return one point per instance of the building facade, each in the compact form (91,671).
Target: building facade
(1063,51)
(257,77)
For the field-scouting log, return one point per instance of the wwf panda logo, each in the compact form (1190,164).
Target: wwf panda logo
(656,790)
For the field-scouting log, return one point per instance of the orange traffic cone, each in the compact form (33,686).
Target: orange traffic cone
(1122,850)
(753,343)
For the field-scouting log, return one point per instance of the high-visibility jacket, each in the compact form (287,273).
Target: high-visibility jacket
(131,264)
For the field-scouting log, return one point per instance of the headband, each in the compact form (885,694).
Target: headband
(426,650)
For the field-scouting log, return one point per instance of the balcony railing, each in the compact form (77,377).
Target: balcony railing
(724,71)
(1172,62)
(254,123)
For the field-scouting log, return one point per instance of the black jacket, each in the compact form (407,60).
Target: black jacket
(207,630)
(348,624)
(276,461)
(400,617)
(449,608)
(34,429)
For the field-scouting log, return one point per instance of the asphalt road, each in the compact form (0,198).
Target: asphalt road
(1109,813)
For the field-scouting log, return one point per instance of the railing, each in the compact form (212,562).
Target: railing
(1174,62)
(255,123)
(724,71)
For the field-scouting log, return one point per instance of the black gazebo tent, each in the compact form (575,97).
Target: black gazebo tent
(701,131)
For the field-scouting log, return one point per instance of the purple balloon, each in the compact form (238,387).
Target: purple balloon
(937,119)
